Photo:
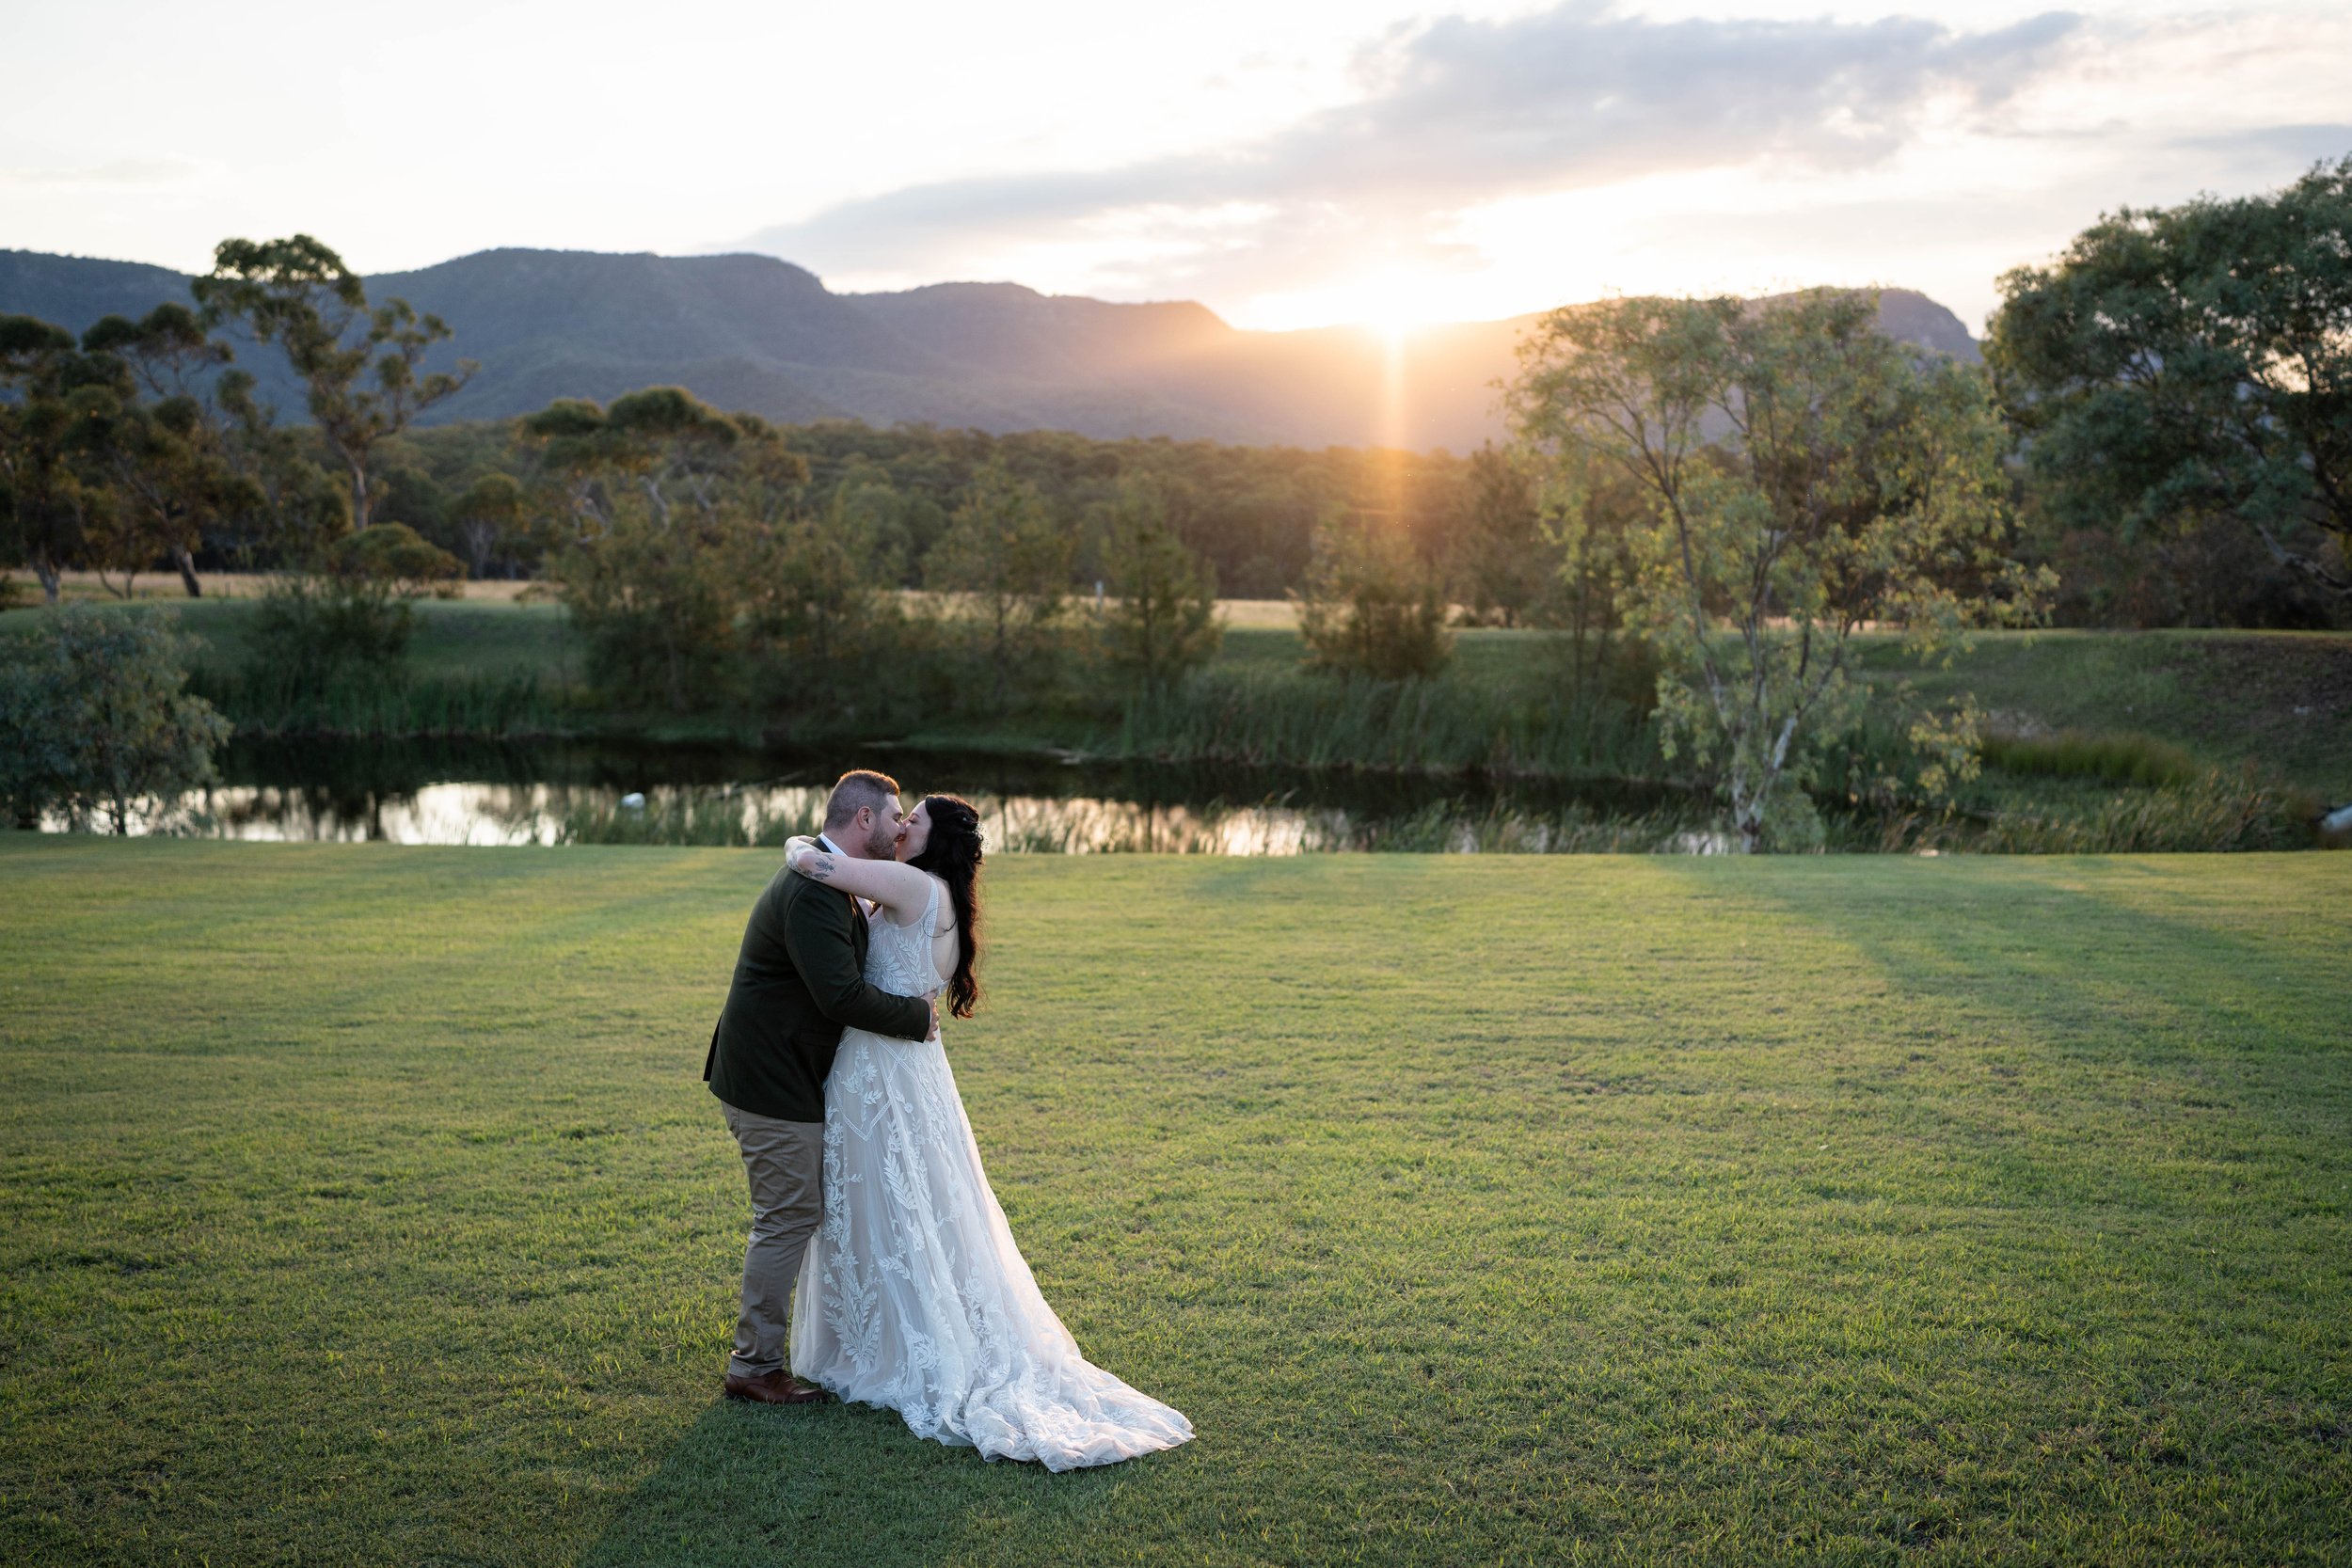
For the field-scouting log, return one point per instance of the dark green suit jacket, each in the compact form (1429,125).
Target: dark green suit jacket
(798,981)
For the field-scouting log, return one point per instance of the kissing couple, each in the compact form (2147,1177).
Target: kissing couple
(867,1187)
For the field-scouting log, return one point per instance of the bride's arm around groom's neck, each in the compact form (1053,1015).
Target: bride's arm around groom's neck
(901,890)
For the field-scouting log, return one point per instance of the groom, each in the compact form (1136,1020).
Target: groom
(798,981)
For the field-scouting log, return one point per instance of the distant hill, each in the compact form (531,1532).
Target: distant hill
(756,333)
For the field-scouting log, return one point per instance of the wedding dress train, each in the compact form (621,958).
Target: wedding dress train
(913,1296)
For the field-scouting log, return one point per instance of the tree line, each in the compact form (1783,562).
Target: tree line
(2173,391)
(1707,499)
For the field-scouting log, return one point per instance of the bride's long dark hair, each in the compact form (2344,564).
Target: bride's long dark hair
(952,854)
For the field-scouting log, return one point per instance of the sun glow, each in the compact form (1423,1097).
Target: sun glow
(1394,305)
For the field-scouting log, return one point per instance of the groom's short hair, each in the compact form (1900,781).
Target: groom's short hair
(854,791)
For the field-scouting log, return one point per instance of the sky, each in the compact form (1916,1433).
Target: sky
(1287,164)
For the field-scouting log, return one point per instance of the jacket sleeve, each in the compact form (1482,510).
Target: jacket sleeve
(817,937)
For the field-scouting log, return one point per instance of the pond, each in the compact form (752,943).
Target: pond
(574,793)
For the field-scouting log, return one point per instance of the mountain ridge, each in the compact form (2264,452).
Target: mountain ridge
(754,332)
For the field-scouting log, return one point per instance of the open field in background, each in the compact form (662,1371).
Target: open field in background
(163,587)
(362,1205)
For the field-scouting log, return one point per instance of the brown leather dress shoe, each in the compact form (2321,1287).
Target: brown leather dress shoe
(777,1388)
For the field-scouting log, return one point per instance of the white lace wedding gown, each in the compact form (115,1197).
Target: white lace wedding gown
(913,1296)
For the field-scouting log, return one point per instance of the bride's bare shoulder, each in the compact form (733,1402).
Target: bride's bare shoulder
(945,921)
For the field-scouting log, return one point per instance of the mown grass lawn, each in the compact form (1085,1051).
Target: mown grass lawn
(362,1205)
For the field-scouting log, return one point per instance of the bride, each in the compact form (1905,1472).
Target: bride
(913,1296)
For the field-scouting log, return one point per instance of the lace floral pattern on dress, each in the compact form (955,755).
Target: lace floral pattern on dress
(922,1302)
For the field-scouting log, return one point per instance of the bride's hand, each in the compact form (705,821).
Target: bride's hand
(797,849)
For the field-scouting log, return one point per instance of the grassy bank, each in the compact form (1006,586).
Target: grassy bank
(2105,741)
(2279,699)
(2284,698)
(362,1205)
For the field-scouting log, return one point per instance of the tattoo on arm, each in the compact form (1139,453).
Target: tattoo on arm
(817,867)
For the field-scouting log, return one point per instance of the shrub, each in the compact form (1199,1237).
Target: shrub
(396,558)
(313,631)
(94,719)
(1371,606)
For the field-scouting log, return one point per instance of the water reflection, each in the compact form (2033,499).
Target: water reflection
(607,794)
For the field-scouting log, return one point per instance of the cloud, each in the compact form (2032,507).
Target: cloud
(2265,147)
(1578,96)
(1457,113)
(120,172)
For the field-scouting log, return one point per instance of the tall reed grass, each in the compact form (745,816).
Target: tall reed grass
(1030,826)
(2119,757)
(717,818)
(270,702)
(1295,718)
(1444,828)
(2218,810)
(2215,810)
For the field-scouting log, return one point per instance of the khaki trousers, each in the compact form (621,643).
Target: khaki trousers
(786,1163)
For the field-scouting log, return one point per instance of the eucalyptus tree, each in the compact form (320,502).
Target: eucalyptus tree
(1801,477)
(41,498)
(1009,566)
(360,366)
(681,456)
(812,596)
(489,513)
(1371,606)
(161,443)
(1502,571)
(1161,619)
(668,511)
(299,509)
(2193,362)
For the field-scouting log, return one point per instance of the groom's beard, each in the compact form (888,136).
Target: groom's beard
(882,843)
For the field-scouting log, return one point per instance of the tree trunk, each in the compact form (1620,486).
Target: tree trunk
(1583,585)
(361,503)
(1747,815)
(1001,651)
(186,562)
(46,570)
(480,539)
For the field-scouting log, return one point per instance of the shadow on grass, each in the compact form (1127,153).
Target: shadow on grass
(2129,958)
(2159,1008)
(833,1483)
(2120,953)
